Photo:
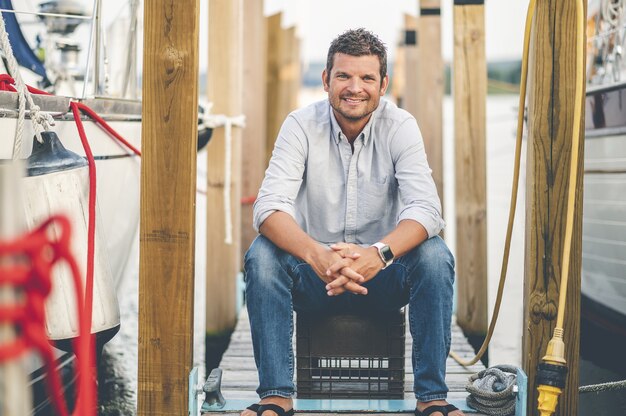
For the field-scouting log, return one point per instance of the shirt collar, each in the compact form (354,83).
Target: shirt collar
(335,129)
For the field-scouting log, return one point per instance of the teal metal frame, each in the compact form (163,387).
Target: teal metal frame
(521,398)
(341,406)
(193,393)
(347,406)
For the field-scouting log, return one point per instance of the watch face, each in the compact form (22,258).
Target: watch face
(386,253)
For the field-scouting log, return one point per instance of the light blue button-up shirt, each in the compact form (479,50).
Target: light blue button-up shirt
(336,194)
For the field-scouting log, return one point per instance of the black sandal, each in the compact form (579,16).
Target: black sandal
(445,410)
(262,408)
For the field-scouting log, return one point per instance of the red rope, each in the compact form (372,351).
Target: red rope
(91,227)
(95,117)
(27,263)
(7,84)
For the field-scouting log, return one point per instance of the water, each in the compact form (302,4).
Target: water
(117,372)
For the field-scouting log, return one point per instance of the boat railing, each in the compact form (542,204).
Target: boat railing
(96,44)
(42,14)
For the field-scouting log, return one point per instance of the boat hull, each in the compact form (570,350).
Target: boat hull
(117,168)
(604,207)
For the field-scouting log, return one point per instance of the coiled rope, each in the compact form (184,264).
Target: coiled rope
(612,11)
(492,391)
(41,120)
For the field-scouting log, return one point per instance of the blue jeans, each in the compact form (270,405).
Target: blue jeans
(278,283)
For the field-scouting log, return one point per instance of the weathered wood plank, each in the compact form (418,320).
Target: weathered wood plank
(430,81)
(470,90)
(224,90)
(168,189)
(411,63)
(240,378)
(552,85)
(254,83)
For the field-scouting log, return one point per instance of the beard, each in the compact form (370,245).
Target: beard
(353,114)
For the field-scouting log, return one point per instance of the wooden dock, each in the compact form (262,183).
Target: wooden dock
(240,378)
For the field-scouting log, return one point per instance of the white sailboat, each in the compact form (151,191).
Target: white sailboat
(62,49)
(604,206)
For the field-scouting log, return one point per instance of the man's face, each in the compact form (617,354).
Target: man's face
(354,86)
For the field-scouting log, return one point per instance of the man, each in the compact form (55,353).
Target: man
(349,215)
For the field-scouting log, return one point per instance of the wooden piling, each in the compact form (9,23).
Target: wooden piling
(398,77)
(253,136)
(225,92)
(430,79)
(283,76)
(470,90)
(168,191)
(15,395)
(411,56)
(551,109)
(275,116)
(290,74)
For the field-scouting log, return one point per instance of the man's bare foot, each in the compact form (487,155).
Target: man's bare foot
(421,406)
(285,402)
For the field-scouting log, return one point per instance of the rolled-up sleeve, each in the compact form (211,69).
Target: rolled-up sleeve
(417,188)
(283,177)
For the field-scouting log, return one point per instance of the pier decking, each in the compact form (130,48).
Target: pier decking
(240,377)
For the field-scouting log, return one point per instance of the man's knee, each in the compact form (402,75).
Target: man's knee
(435,251)
(261,254)
(262,262)
(434,260)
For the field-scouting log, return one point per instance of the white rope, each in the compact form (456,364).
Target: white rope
(612,11)
(219,120)
(41,121)
(611,386)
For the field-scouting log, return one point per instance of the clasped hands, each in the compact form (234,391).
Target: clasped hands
(346,266)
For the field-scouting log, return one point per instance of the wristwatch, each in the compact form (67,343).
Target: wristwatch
(385,253)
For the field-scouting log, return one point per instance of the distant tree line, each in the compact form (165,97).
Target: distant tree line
(503,76)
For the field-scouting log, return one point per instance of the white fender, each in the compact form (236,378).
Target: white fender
(67,192)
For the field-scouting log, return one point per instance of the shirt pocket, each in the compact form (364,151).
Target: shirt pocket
(376,197)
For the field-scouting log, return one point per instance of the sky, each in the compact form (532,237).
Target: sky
(319,21)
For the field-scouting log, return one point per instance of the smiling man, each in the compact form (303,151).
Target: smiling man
(349,219)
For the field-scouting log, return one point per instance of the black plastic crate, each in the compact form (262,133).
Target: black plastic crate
(350,356)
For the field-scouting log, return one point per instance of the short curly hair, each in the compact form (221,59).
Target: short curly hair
(358,42)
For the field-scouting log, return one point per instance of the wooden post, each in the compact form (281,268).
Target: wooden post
(283,76)
(551,108)
(398,79)
(288,77)
(430,82)
(168,190)
(274,115)
(470,89)
(411,93)
(225,92)
(290,73)
(253,136)
(15,396)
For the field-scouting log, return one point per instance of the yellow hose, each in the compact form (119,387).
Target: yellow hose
(555,353)
(550,388)
(514,191)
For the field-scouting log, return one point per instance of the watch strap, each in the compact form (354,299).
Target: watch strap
(379,247)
